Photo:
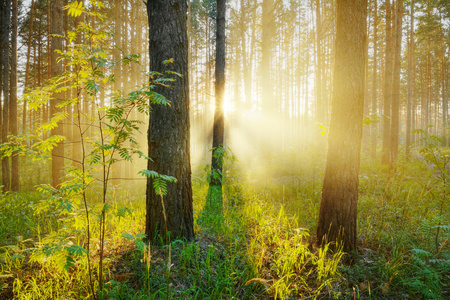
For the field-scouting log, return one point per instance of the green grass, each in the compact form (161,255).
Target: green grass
(262,247)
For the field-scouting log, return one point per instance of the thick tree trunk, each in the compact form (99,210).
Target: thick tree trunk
(338,207)
(169,129)
(56,69)
(395,112)
(13,97)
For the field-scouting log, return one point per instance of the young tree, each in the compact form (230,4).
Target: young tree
(169,128)
(338,207)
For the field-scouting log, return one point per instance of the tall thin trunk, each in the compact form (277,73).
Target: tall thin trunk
(13,97)
(56,69)
(76,136)
(395,113)
(219,117)
(320,107)
(444,92)
(374,110)
(387,91)
(410,82)
(5,31)
(27,68)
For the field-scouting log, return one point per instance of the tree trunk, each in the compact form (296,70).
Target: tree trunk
(169,129)
(27,68)
(219,118)
(5,30)
(13,97)
(410,82)
(320,107)
(374,110)
(395,112)
(56,69)
(387,91)
(76,135)
(444,95)
(338,207)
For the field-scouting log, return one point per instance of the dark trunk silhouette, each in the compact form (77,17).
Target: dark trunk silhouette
(168,136)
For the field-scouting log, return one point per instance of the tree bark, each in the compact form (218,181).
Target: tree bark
(338,207)
(27,68)
(374,110)
(219,117)
(410,82)
(13,96)
(5,30)
(56,69)
(387,91)
(169,129)
(395,110)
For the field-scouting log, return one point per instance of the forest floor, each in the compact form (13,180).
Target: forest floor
(262,247)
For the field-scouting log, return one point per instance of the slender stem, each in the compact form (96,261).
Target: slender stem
(105,189)
(83,168)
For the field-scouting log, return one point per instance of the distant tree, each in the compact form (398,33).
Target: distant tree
(219,117)
(56,69)
(13,94)
(395,111)
(410,73)
(169,131)
(387,87)
(27,68)
(338,207)
(373,146)
(5,12)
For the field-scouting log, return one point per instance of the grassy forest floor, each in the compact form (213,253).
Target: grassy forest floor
(261,248)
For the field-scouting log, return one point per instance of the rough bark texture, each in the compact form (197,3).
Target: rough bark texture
(13,96)
(395,109)
(56,69)
(338,207)
(168,136)
(219,118)
(4,36)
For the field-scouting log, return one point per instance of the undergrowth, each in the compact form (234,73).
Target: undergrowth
(262,247)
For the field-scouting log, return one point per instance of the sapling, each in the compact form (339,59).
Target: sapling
(107,136)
